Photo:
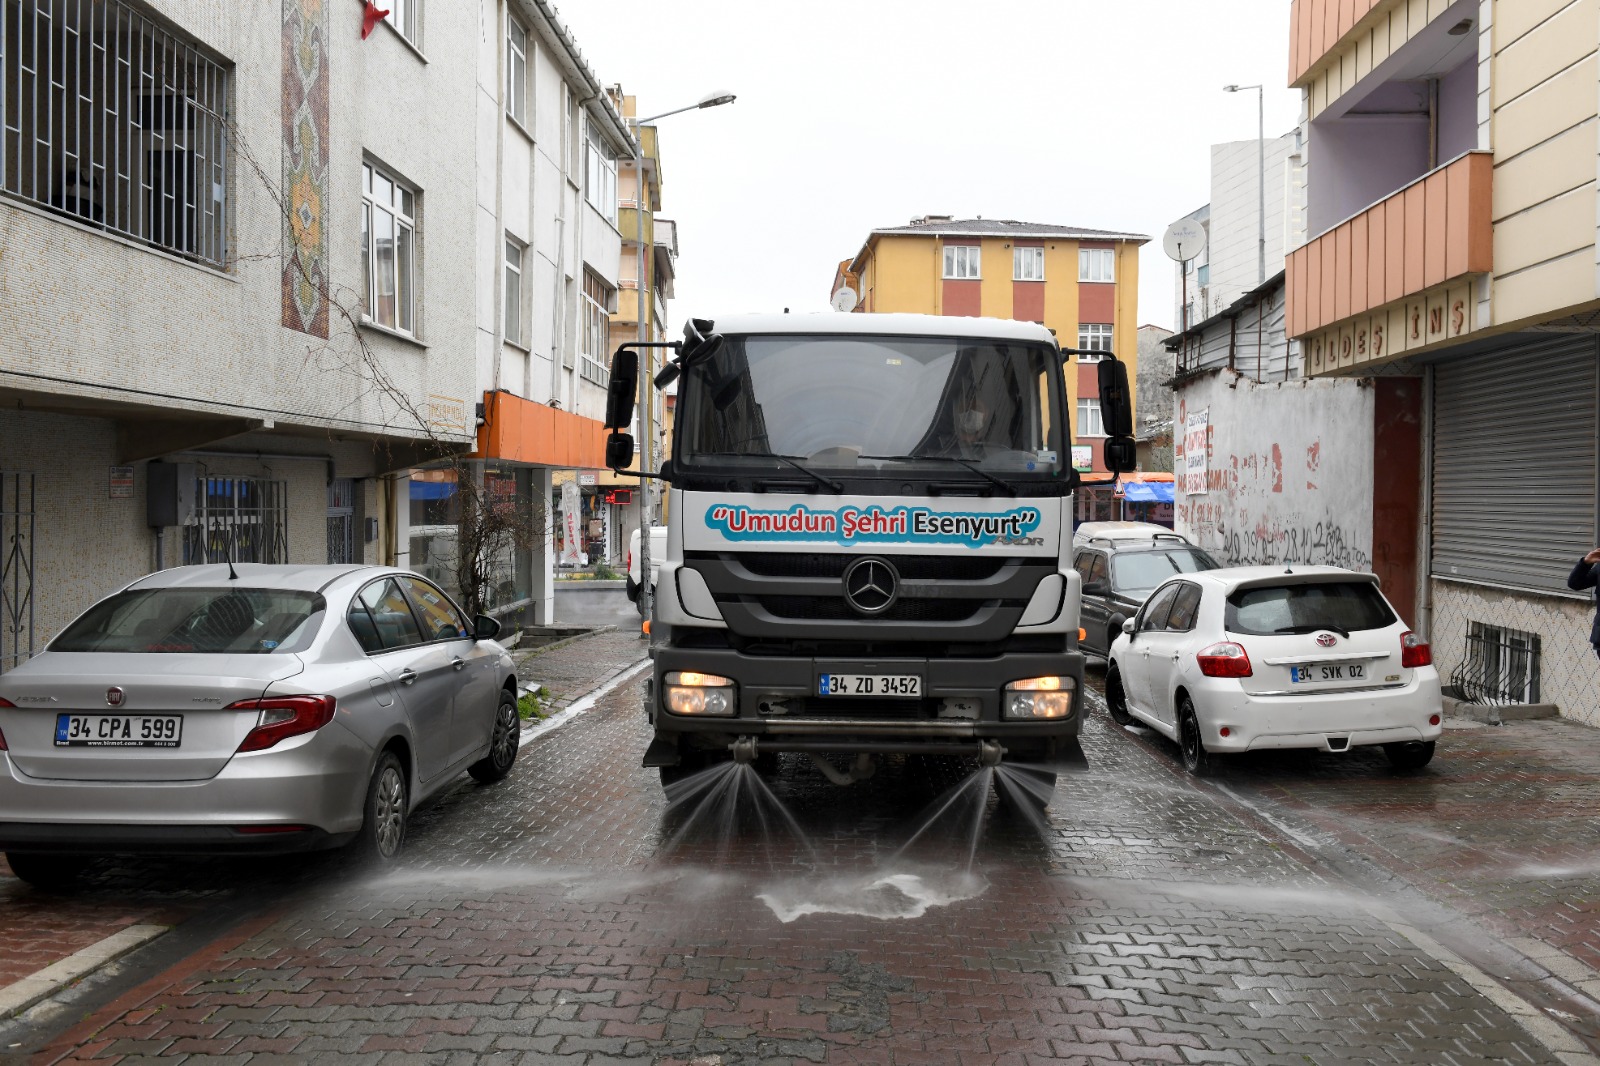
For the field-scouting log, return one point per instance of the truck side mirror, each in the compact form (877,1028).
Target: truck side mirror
(622,393)
(1122,454)
(1116,402)
(619,450)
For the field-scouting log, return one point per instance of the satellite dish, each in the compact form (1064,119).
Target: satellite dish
(1184,240)
(844,299)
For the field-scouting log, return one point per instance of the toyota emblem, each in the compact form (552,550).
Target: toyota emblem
(870,585)
(113,697)
(1326,640)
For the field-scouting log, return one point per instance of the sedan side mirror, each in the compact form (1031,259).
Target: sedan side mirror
(485,628)
(1129,628)
(1095,588)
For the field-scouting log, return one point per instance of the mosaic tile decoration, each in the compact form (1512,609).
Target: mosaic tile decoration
(305,166)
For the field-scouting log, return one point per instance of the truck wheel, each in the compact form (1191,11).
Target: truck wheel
(1117,698)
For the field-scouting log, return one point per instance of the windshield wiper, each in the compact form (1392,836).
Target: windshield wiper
(975,468)
(836,486)
(1309,628)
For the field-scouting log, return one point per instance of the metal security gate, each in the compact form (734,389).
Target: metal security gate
(238,519)
(1514,462)
(342,520)
(17,517)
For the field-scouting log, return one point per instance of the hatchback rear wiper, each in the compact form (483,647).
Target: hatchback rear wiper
(820,479)
(976,469)
(1312,628)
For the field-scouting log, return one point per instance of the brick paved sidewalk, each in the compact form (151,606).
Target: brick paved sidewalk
(578,666)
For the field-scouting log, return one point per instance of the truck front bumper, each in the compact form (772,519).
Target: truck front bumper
(777,701)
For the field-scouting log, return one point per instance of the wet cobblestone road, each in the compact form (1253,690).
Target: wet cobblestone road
(1297,909)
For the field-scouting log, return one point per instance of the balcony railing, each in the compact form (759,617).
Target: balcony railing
(1433,231)
(628,224)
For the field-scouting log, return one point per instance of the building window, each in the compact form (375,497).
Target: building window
(1096,264)
(1027,264)
(1203,275)
(388,249)
(513,295)
(141,154)
(1094,337)
(238,519)
(406,16)
(961,261)
(1089,424)
(516,71)
(600,185)
(595,362)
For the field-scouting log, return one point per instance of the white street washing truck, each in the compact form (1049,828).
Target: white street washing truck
(869,542)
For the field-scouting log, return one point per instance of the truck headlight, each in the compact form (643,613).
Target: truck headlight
(1039,697)
(690,692)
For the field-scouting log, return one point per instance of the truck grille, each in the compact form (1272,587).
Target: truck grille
(816,609)
(911,567)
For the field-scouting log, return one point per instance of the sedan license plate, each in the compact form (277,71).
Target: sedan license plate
(908,686)
(1318,672)
(118,730)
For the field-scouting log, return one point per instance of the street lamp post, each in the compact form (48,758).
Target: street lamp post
(646,377)
(1261,173)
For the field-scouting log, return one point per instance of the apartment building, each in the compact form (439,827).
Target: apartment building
(258,263)
(1451,205)
(1082,284)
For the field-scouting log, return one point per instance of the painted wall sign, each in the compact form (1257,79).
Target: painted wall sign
(1195,432)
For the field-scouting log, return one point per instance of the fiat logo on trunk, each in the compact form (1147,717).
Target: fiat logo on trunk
(113,697)
(1326,640)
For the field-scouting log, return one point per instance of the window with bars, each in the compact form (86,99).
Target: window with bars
(388,249)
(595,364)
(1027,264)
(962,261)
(114,122)
(342,520)
(238,519)
(1097,264)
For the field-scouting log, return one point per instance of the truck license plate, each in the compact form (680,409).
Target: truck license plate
(118,730)
(899,685)
(1315,673)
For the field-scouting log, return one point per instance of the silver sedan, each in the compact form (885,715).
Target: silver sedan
(254,708)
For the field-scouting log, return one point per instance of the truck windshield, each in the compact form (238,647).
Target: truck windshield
(861,404)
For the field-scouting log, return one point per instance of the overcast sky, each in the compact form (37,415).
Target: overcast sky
(1095,113)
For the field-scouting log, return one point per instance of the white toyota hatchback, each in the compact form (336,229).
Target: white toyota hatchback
(1254,657)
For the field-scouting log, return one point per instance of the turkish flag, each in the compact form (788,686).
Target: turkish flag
(371,17)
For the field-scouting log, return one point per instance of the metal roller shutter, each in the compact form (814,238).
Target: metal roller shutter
(1514,463)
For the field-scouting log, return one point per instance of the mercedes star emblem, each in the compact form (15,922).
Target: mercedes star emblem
(870,585)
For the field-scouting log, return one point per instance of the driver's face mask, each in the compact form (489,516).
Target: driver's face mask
(972,421)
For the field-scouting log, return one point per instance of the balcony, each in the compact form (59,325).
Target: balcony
(1318,27)
(628,224)
(1421,238)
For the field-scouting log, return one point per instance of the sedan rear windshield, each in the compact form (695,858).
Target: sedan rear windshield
(1144,570)
(217,621)
(1337,605)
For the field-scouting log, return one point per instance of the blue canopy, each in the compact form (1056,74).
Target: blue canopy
(1147,491)
(432,490)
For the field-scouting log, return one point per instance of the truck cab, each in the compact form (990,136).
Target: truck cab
(869,548)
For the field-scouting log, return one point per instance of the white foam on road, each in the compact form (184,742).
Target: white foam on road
(886,896)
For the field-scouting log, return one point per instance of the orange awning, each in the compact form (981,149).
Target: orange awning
(517,430)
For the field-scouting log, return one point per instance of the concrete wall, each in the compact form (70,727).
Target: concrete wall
(1290,471)
(1235,216)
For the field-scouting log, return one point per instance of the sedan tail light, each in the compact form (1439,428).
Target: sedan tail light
(1224,659)
(283,717)
(1414,651)
(4,703)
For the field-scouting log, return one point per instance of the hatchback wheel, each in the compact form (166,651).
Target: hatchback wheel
(46,871)
(1116,697)
(1196,759)
(384,828)
(1410,756)
(502,746)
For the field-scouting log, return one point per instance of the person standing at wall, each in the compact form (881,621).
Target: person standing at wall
(1586,575)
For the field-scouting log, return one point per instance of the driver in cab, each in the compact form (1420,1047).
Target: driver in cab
(970,421)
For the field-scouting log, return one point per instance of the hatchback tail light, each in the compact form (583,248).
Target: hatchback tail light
(1414,651)
(283,717)
(1224,659)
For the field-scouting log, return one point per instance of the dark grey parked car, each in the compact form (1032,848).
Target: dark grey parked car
(1119,573)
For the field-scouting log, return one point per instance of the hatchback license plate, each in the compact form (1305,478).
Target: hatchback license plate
(1337,672)
(119,730)
(908,686)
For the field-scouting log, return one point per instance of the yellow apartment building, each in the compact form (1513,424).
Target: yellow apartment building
(1451,201)
(1082,284)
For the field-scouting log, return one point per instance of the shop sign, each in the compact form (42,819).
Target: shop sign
(1082,457)
(588,479)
